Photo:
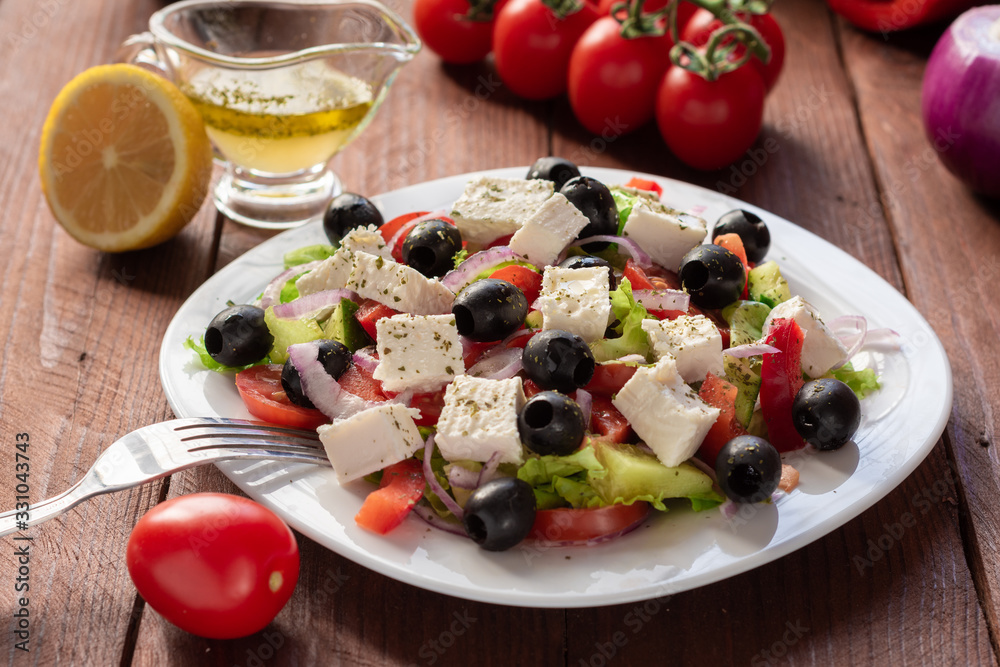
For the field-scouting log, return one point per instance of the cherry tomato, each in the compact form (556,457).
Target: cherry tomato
(215,565)
(532,46)
(261,391)
(710,124)
(584,525)
(448,32)
(613,80)
(703,23)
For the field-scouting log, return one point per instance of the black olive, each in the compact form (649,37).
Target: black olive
(430,247)
(238,336)
(489,309)
(500,513)
(347,211)
(559,360)
(594,200)
(748,469)
(335,357)
(588,261)
(555,169)
(551,423)
(826,413)
(752,230)
(712,275)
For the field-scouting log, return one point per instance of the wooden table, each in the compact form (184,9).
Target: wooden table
(842,154)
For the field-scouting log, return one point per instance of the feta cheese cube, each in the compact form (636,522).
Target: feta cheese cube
(332,273)
(479,418)
(693,341)
(662,232)
(366,239)
(419,352)
(548,231)
(370,440)
(665,412)
(635,192)
(576,300)
(821,349)
(398,286)
(494,207)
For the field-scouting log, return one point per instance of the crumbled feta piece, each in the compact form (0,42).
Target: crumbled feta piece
(635,192)
(366,239)
(419,352)
(821,349)
(693,341)
(370,440)
(494,207)
(479,418)
(665,412)
(663,232)
(334,271)
(548,231)
(576,300)
(398,286)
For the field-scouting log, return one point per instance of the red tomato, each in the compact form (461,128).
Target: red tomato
(370,312)
(685,10)
(389,229)
(607,420)
(710,124)
(430,406)
(703,23)
(448,32)
(583,525)
(360,382)
(722,395)
(609,378)
(734,244)
(261,391)
(532,46)
(400,226)
(644,184)
(525,279)
(473,350)
(215,565)
(613,80)
(402,486)
(780,381)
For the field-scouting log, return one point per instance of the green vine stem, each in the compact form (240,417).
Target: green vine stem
(483,10)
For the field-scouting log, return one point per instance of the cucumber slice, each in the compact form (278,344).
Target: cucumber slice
(632,472)
(746,321)
(745,374)
(343,327)
(767,285)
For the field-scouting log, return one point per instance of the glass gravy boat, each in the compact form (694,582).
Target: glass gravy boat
(283,86)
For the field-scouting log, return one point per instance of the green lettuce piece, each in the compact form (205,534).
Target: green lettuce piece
(577,494)
(289,291)
(309,253)
(630,314)
(460,257)
(198,347)
(624,201)
(861,382)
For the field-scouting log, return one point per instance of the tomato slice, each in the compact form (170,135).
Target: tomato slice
(260,389)
(370,312)
(734,244)
(389,229)
(360,382)
(720,394)
(401,226)
(567,525)
(402,486)
(523,278)
(609,378)
(430,406)
(607,420)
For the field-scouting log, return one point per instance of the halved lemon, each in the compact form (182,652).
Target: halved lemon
(124,160)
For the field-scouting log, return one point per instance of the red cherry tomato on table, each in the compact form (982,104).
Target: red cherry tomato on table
(532,46)
(445,28)
(215,565)
(703,23)
(261,391)
(613,80)
(710,124)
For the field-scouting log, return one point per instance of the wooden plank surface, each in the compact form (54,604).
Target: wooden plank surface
(840,132)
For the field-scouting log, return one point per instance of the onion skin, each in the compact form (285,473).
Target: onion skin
(960,99)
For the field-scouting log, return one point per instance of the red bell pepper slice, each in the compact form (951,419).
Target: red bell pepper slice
(781,379)
(890,15)
(644,184)
(401,488)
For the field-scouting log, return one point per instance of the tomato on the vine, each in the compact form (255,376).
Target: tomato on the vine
(446,29)
(710,124)
(213,564)
(703,23)
(532,46)
(685,10)
(613,80)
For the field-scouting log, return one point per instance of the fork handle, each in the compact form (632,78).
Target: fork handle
(51,507)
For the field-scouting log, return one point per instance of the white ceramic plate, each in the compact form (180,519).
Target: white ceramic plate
(673,552)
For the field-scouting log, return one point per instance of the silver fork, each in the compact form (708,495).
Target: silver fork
(158,450)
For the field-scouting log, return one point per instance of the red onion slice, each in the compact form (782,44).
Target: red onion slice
(852,341)
(432,482)
(886,339)
(586,403)
(467,271)
(663,299)
(489,470)
(273,290)
(750,350)
(638,254)
(729,509)
(517,334)
(365,359)
(431,517)
(312,304)
(499,365)
(462,478)
(320,388)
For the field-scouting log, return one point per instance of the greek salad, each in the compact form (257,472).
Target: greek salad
(552,358)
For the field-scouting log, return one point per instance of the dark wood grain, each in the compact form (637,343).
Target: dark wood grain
(950,266)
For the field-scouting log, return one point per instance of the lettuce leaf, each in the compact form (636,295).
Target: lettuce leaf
(630,314)
(624,201)
(861,382)
(309,253)
(198,347)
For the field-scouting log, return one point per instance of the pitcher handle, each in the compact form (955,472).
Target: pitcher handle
(140,50)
